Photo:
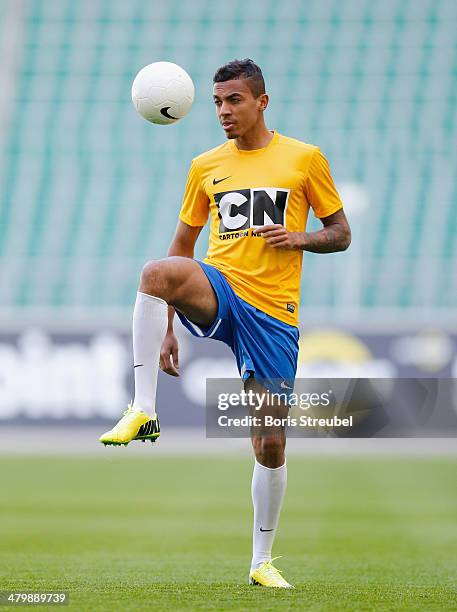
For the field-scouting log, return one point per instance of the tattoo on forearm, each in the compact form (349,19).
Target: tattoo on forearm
(329,239)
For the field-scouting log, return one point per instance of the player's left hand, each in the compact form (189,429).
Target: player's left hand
(278,237)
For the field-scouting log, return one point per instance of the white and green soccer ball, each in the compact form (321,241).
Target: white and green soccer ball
(163,92)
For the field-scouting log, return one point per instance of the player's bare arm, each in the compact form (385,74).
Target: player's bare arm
(333,237)
(183,244)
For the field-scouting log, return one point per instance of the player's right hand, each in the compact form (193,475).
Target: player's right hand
(169,355)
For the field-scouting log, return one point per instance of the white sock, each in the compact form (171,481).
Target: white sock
(268,488)
(150,320)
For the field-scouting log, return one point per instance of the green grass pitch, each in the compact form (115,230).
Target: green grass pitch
(157,533)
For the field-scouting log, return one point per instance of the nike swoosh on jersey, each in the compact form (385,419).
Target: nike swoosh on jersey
(216,181)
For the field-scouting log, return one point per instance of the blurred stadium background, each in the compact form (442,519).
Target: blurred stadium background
(89,191)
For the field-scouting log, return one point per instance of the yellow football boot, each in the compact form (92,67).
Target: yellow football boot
(134,425)
(268,575)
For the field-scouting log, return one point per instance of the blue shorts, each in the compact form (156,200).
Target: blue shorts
(264,347)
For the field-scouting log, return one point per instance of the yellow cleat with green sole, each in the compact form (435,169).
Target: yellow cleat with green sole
(134,425)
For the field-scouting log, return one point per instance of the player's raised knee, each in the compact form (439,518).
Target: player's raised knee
(163,277)
(154,279)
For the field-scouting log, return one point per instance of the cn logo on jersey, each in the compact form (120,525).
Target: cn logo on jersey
(245,208)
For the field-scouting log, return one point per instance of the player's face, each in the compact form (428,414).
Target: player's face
(237,109)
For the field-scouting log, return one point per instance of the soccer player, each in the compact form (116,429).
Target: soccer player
(257,188)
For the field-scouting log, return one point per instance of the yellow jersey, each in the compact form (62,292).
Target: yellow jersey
(243,190)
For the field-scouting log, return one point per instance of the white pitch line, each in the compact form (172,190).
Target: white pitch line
(83,440)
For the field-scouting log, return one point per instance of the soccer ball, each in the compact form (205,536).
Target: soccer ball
(162,92)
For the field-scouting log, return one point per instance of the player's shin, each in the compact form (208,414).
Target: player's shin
(149,328)
(268,489)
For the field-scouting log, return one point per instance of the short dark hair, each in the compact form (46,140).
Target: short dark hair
(242,69)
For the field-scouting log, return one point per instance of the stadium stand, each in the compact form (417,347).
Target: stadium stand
(89,191)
